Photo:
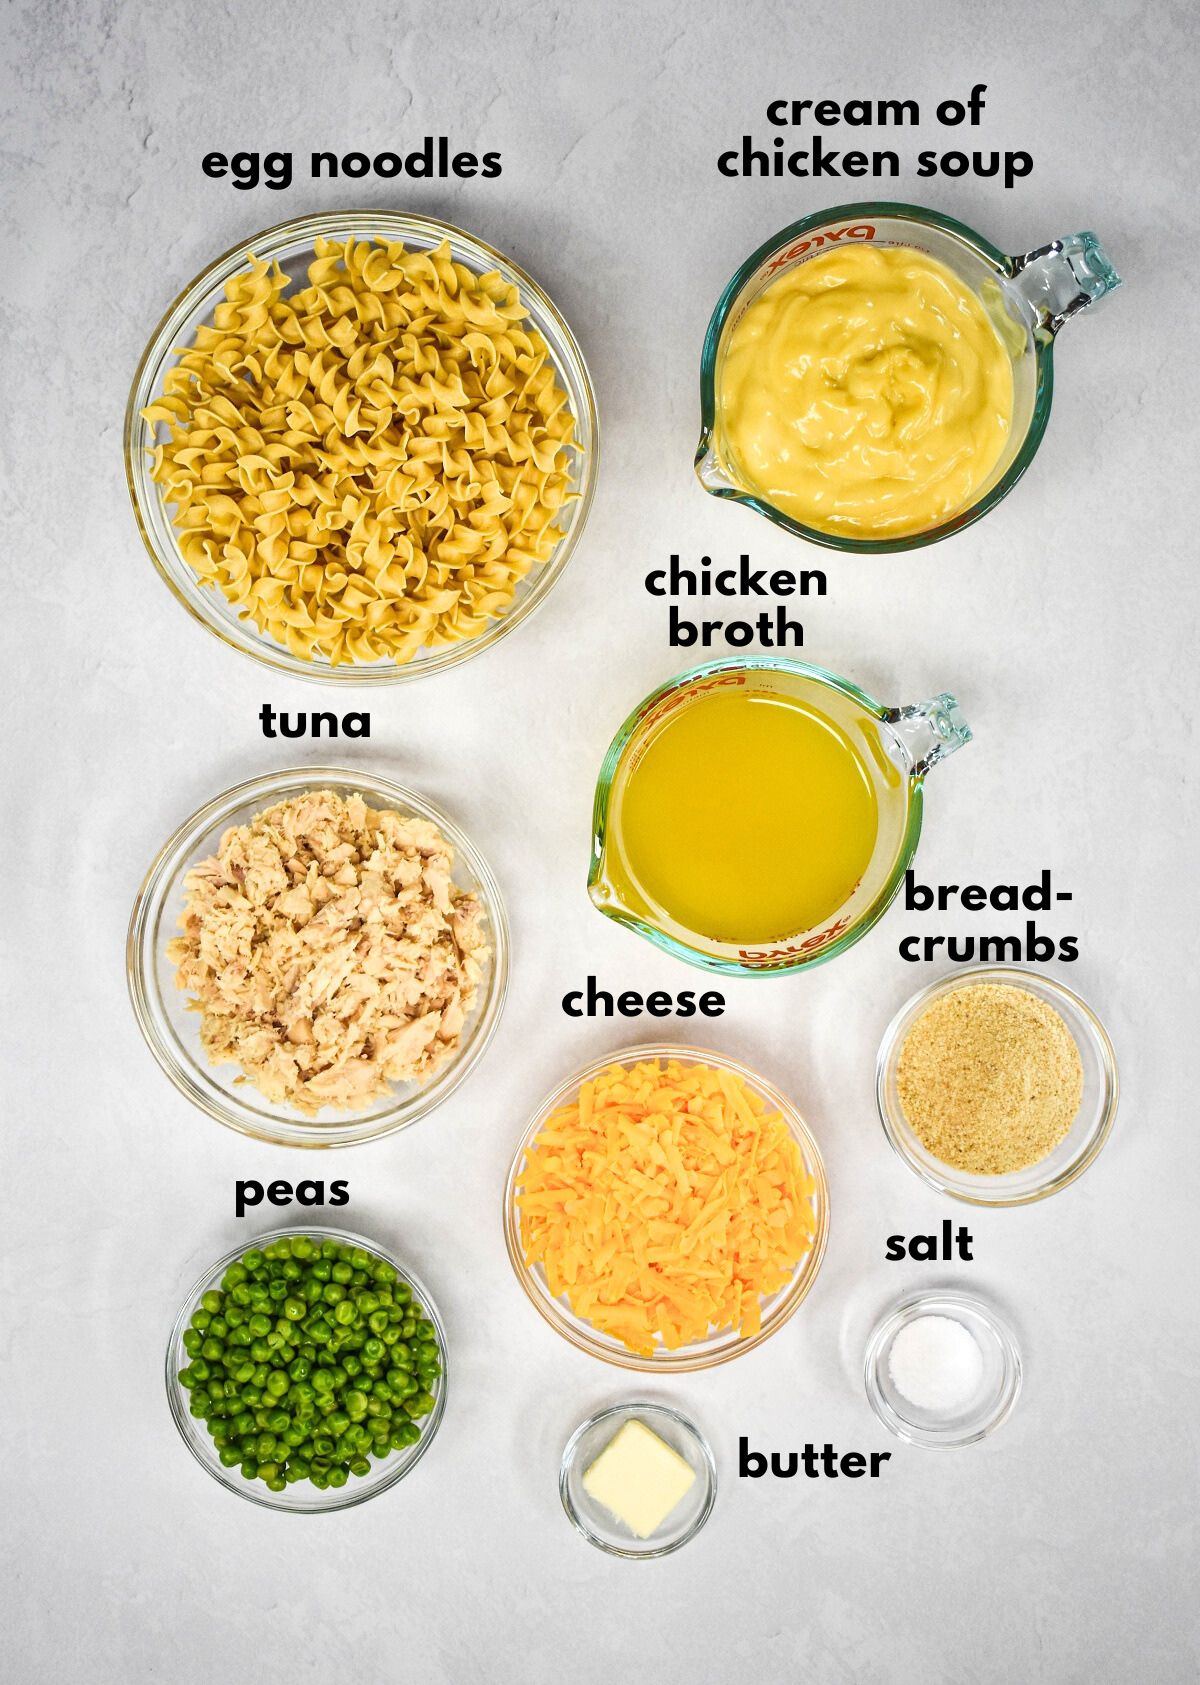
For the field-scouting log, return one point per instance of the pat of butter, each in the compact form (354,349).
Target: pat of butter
(639,1478)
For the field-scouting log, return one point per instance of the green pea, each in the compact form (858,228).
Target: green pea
(249,1469)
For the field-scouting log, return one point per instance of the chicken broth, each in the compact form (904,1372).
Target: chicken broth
(748,818)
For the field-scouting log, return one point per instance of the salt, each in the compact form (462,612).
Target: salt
(936,1363)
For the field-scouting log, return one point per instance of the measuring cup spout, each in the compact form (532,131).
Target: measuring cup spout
(711,472)
(1059,280)
(929,731)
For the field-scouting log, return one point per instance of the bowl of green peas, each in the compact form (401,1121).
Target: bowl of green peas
(307,1371)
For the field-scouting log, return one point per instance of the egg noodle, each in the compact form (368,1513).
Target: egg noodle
(369,465)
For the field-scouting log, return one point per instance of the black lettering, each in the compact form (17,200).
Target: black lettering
(573,1011)
(280,1193)
(323,163)
(906,944)
(923,1248)
(824,160)
(266,715)
(355,164)
(738,632)
(244,166)
(465,164)
(598,998)
(629,1004)
(1037,946)
(782,583)
(1068,948)
(951,111)
(777,105)
(999,948)
(310,1193)
(278,166)
(214,165)
(658,590)
(658,1004)
(853,1465)
(1037,895)
(681,634)
(926,163)
(827,112)
(356,725)
(339,1193)
(244,1194)
(491,166)
(323,722)
(1006,898)
(387,164)
(878,1457)
(712,1004)
(752,1465)
(918,898)
(724,161)
(898,111)
(1011,172)
(974,897)
(895,1247)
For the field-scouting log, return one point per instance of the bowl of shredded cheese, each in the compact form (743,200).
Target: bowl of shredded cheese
(666,1209)
(361,446)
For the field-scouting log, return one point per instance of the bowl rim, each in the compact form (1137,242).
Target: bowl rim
(628,1408)
(685,1360)
(934,1302)
(348,1496)
(363,223)
(898,1130)
(190,1077)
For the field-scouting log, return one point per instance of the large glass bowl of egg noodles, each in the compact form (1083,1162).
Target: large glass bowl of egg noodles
(361,446)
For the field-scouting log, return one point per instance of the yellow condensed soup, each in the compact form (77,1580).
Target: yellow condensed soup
(866,393)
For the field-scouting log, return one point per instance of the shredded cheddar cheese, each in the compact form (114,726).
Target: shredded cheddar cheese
(666,1203)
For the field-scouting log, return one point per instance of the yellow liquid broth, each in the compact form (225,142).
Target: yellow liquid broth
(865,392)
(748,819)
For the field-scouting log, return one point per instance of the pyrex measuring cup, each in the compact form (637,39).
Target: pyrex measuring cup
(897,746)
(1028,298)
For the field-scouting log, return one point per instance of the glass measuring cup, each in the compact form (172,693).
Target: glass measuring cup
(1028,298)
(897,747)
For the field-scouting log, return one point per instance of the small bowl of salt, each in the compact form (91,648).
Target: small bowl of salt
(942,1369)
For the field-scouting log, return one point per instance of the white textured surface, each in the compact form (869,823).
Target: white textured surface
(1064,1549)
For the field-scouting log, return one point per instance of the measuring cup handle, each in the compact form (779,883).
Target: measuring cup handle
(929,731)
(1059,280)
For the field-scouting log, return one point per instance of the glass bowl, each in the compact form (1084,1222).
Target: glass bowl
(302,1498)
(290,244)
(716,1348)
(172,1032)
(999,1387)
(597,1524)
(1090,1130)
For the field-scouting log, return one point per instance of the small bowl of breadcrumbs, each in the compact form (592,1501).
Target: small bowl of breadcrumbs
(997,1085)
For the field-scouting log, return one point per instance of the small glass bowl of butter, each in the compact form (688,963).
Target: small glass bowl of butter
(637,1480)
